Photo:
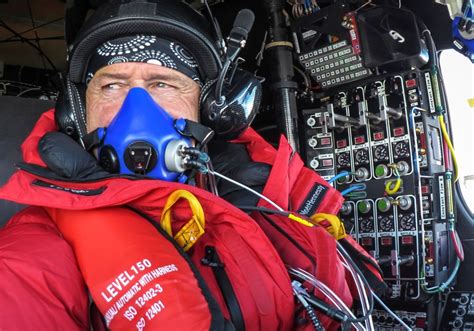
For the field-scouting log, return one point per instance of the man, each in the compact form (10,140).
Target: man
(46,286)
(130,58)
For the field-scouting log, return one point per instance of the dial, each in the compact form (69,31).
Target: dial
(343,159)
(386,223)
(407,222)
(366,225)
(381,153)
(401,149)
(362,156)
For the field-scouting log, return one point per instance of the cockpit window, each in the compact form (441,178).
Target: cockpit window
(458,74)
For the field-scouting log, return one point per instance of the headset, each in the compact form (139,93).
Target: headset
(230,96)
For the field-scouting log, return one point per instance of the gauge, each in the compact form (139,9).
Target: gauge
(401,149)
(362,156)
(366,225)
(343,159)
(381,153)
(386,223)
(407,222)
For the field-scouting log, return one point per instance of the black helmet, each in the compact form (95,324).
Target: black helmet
(168,19)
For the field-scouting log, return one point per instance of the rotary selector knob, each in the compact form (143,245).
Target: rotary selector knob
(404,203)
(314,163)
(346,208)
(312,142)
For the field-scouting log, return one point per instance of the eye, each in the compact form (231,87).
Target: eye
(161,85)
(112,86)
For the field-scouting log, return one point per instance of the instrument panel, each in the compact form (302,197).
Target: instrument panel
(380,139)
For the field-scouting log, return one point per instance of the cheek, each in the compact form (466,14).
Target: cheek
(181,108)
(189,113)
(100,113)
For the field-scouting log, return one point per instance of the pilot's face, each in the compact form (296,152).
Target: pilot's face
(176,93)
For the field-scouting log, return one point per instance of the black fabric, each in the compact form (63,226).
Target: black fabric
(144,49)
(379,287)
(213,261)
(168,19)
(67,158)
(18,118)
(233,161)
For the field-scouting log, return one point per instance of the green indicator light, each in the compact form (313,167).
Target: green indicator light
(364,207)
(381,170)
(383,204)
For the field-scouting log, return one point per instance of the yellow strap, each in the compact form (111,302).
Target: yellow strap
(336,227)
(300,220)
(193,229)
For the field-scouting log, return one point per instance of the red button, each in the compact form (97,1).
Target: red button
(367,241)
(420,322)
(410,83)
(386,241)
(341,143)
(408,240)
(325,141)
(425,189)
(327,163)
(359,140)
(378,135)
(399,131)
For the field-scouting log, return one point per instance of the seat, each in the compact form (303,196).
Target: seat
(18,116)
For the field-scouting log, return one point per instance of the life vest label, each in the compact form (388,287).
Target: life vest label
(312,200)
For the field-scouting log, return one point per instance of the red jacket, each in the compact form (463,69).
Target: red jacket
(42,285)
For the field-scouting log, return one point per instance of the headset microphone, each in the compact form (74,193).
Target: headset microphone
(238,35)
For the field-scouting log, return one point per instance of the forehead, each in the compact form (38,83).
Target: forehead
(142,71)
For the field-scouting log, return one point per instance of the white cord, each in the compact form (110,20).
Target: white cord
(390,312)
(333,297)
(215,173)
(364,300)
(375,296)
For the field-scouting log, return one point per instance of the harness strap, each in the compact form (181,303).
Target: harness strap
(212,260)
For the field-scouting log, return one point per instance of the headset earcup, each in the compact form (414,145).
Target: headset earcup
(230,118)
(64,110)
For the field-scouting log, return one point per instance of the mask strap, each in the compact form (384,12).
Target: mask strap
(201,133)
(92,140)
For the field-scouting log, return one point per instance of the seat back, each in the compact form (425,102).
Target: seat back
(18,116)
